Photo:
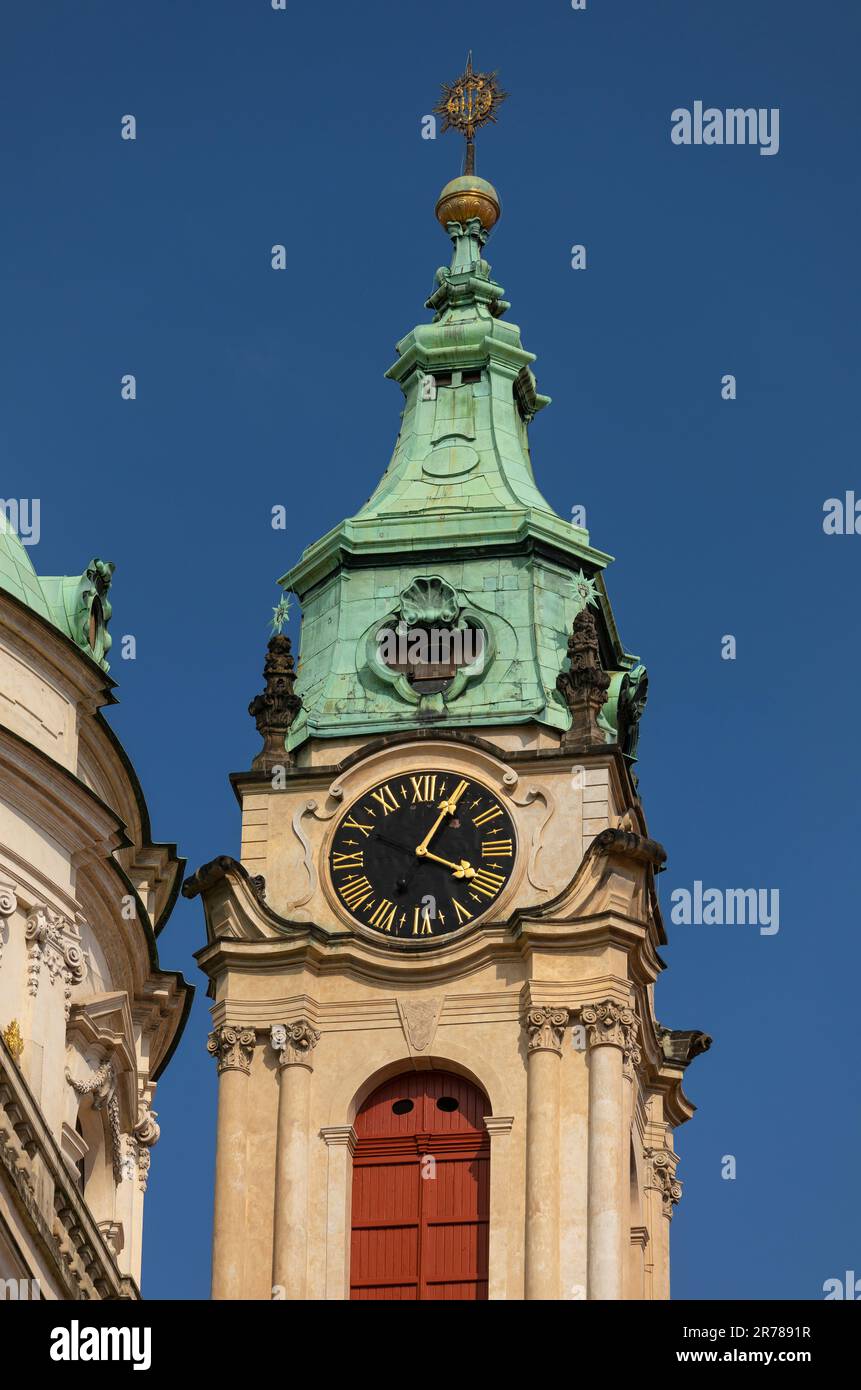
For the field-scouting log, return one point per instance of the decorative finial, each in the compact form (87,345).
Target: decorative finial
(584,687)
(468,103)
(280,614)
(277,706)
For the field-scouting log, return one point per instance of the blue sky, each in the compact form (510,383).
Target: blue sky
(257,388)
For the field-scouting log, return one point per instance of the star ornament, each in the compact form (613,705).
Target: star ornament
(585,590)
(280,614)
(470,101)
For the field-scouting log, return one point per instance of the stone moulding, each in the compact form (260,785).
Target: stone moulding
(52,1207)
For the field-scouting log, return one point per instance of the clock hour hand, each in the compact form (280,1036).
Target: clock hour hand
(462,870)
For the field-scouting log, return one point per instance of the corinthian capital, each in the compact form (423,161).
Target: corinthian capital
(294,1042)
(661,1174)
(546,1028)
(232,1048)
(614,1025)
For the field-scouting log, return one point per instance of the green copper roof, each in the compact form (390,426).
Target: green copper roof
(75,604)
(17,575)
(458,514)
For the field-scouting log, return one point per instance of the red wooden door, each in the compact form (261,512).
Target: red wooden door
(421,1183)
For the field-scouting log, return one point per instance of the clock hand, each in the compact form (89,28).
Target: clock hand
(462,870)
(394,843)
(446,808)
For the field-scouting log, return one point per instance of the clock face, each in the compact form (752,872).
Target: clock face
(421,855)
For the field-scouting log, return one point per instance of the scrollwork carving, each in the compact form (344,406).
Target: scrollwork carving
(8,905)
(232,1048)
(661,1175)
(546,1028)
(102,1087)
(55,942)
(612,1024)
(294,1042)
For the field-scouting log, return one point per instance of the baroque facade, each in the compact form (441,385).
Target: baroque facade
(88,1019)
(432,966)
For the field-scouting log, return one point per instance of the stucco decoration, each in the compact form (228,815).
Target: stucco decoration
(293,1043)
(610,1024)
(661,1174)
(546,1028)
(146,1134)
(55,942)
(102,1087)
(536,844)
(8,906)
(419,1019)
(310,808)
(232,1048)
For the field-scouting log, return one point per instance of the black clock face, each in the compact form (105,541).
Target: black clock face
(422,855)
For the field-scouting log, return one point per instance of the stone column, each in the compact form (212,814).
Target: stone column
(610,1032)
(232,1048)
(293,1043)
(501,1214)
(340,1141)
(546,1029)
(664,1191)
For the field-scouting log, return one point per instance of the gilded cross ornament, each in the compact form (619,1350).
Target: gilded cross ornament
(468,103)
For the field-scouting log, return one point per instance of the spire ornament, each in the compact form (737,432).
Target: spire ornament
(276,707)
(584,687)
(468,103)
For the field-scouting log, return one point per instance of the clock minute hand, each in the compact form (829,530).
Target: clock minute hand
(446,808)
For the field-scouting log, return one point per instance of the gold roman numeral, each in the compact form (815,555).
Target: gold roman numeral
(355,891)
(487,883)
(348,861)
(386,797)
(490,814)
(383,916)
(424,786)
(426,928)
(491,847)
(353,824)
(463,913)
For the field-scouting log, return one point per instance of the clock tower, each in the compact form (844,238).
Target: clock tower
(432,966)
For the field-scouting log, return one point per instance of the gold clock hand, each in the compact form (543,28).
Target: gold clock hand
(462,870)
(446,808)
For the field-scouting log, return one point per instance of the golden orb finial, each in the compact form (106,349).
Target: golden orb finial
(468,103)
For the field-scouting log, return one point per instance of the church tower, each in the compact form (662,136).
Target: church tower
(432,967)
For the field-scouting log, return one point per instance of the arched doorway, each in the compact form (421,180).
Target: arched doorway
(421,1187)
